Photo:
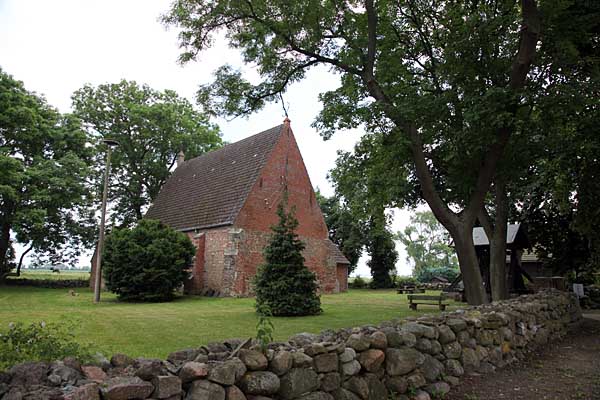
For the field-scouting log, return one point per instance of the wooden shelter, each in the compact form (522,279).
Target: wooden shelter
(516,244)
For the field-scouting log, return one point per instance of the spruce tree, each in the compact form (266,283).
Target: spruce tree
(284,284)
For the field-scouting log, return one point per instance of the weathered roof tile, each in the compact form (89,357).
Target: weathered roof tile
(210,190)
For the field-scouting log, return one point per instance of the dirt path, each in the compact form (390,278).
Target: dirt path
(569,369)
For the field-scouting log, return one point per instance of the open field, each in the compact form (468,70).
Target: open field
(46,274)
(155,329)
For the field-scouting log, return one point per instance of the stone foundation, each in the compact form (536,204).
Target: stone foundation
(419,358)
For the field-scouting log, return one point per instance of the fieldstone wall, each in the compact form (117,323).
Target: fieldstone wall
(413,358)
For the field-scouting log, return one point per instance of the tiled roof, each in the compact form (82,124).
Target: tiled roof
(337,254)
(210,190)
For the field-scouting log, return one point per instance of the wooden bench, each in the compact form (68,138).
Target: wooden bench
(416,299)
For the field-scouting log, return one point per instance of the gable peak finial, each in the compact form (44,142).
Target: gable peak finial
(286,121)
(180,158)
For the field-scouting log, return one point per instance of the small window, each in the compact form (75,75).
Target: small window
(260,182)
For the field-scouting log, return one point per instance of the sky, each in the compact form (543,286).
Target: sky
(55,47)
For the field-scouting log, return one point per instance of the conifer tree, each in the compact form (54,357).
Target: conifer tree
(284,284)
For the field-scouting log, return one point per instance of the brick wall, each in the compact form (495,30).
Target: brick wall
(208,271)
(285,164)
(317,257)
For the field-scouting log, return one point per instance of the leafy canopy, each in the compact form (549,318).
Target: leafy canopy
(44,187)
(152,127)
(283,284)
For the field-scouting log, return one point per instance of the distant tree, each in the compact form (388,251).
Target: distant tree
(382,251)
(283,284)
(427,243)
(152,127)
(345,229)
(44,187)
(147,262)
(361,183)
(427,274)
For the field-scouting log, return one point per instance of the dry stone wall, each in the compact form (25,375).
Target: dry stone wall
(418,358)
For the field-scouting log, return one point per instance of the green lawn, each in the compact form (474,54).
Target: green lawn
(155,329)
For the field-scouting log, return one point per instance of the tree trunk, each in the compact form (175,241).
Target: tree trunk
(498,273)
(469,265)
(22,258)
(4,245)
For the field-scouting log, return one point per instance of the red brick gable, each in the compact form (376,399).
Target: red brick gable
(284,166)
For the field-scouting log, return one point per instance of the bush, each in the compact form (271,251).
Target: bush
(283,284)
(426,274)
(148,262)
(358,283)
(40,342)
(402,281)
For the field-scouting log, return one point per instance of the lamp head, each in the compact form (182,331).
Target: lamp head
(110,142)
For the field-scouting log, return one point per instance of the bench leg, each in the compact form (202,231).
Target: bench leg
(442,307)
(413,306)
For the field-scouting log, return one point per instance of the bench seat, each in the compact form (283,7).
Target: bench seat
(416,299)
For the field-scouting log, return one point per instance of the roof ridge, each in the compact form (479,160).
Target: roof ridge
(239,142)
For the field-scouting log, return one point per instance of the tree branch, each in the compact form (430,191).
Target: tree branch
(530,30)
(21,259)
(372,40)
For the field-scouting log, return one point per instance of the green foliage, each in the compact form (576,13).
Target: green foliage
(151,127)
(382,249)
(447,110)
(358,283)
(264,327)
(44,191)
(426,274)
(284,284)
(147,262)
(402,281)
(40,342)
(344,228)
(427,243)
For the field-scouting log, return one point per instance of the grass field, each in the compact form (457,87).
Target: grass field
(46,274)
(156,329)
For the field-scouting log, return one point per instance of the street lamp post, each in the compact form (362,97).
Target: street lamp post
(98,276)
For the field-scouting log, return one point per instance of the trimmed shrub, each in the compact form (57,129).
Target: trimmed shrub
(148,262)
(283,284)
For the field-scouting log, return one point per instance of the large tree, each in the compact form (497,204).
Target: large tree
(43,184)
(359,179)
(152,127)
(446,78)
